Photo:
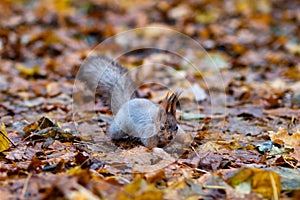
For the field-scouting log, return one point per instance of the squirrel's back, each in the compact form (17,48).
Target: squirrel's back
(137,115)
(109,78)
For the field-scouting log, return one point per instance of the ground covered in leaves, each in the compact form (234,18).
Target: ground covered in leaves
(243,143)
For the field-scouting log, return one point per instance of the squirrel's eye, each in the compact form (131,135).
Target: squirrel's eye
(176,128)
(162,128)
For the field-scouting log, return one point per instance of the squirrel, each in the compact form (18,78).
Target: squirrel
(154,124)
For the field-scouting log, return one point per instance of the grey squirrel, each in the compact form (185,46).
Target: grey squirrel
(154,124)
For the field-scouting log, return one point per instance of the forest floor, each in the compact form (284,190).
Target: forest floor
(237,63)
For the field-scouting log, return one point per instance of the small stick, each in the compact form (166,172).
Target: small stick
(25,186)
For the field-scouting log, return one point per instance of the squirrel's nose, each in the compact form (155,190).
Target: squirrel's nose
(170,137)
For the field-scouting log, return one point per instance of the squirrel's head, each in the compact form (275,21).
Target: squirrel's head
(168,126)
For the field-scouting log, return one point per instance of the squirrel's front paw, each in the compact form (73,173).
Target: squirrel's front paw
(115,132)
(150,142)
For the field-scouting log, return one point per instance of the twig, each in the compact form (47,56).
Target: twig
(214,187)
(200,170)
(274,187)
(196,152)
(25,186)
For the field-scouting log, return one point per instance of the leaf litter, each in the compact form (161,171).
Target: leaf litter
(251,151)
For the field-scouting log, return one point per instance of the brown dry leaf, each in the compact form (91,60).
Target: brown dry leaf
(54,89)
(42,123)
(282,136)
(30,128)
(138,159)
(35,165)
(155,176)
(20,153)
(211,161)
(186,188)
(296,154)
(283,112)
(287,161)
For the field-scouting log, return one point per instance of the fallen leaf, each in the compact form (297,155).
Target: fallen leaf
(282,136)
(4,141)
(192,116)
(140,189)
(283,112)
(28,71)
(264,182)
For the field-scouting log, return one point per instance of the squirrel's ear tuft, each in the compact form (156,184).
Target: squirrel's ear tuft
(165,104)
(173,101)
(169,102)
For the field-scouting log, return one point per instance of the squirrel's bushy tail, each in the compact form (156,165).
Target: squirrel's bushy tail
(109,78)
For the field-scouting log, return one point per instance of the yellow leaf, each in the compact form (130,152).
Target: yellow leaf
(63,7)
(264,182)
(140,189)
(241,176)
(207,17)
(4,142)
(28,71)
(75,170)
